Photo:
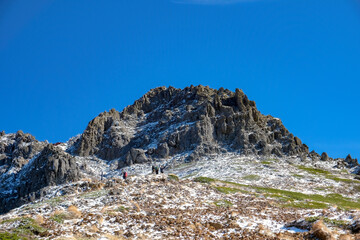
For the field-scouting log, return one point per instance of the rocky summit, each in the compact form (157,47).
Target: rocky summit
(196,121)
(230,173)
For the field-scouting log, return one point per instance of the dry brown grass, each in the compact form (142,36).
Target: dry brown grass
(100,220)
(136,206)
(39,219)
(94,229)
(346,237)
(322,232)
(74,212)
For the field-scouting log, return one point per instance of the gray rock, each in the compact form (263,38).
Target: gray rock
(324,156)
(194,119)
(163,150)
(51,167)
(136,155)
(350,161)
(297,141)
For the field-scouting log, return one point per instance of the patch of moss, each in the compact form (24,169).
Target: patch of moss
(204,180)
(11,236)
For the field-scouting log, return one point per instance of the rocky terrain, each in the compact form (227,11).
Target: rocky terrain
(242,175)
(164,207)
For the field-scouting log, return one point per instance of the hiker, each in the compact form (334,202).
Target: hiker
(152,169)
(157,170)
(125,175)
(162,169)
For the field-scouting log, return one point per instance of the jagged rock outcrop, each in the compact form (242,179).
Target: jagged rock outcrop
(52,167)
(196,120)
(351,162)
(16,149)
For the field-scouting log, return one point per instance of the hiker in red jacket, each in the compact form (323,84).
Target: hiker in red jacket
(125,175)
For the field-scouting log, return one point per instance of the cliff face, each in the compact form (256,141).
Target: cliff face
(195,120)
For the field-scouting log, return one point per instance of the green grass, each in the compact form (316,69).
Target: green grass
(345,180)
(326,174)
(204,180)
(55,201)
(279,197)
(298,175)
(266,162)
(251,177)
(228,190)
(173,177)
(298,199)
(223,203)
(59,217)
(10,236)
(122,209)
(27,227)
(314,171)
(95,194)
(306,205)
(190,175)
(333,222)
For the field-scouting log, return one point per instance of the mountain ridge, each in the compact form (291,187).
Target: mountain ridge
(167,125)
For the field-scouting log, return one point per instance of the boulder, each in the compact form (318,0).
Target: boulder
(162,150)
(136,155)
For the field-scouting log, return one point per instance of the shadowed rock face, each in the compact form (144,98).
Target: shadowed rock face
(51,167)
(198,120)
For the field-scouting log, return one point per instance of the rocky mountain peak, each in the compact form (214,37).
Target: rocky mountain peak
(196,120)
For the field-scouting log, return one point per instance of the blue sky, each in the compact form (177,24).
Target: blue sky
(64,62)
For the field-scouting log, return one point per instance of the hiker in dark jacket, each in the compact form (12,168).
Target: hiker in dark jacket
(152,169)
(162,169)
(157,170)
